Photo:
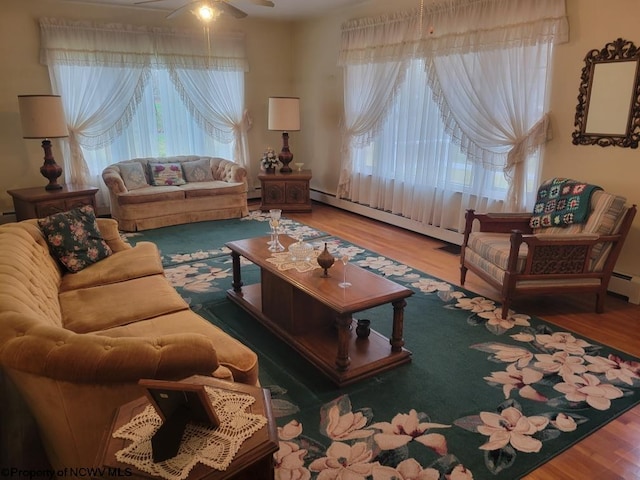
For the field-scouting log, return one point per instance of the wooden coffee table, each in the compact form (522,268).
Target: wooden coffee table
(314,315)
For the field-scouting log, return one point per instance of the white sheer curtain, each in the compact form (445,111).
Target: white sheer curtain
(493,104)
(365,107)
(371,79)
(132,91)
(211,84)
(413,168)
(471,108)
(98,101)
(213,100)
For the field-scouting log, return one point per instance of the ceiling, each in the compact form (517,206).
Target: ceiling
(283,9)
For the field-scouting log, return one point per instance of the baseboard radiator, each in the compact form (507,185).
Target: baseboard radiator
(7,217)
(626,285)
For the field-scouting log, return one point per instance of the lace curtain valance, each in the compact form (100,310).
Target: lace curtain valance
(118,45)
(457,26)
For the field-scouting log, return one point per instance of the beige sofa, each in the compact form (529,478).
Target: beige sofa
(75,344)
(137,204)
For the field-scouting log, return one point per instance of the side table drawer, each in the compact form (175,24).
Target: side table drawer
(274,193)
(286,191)
(44,209)
(297,192)
(37,202)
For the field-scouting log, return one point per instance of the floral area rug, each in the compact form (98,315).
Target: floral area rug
(482,398)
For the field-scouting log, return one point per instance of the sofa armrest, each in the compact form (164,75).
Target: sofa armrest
(109,230)
(113,180)
(228,171)
(89,358)
(498,222)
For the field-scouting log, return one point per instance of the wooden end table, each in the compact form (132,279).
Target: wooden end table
(287,191)
(36,202)
(254,460)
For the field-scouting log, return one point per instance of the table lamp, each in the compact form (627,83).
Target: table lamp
(284,116)
(42,117)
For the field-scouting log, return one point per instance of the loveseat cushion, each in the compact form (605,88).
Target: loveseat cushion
(139,261)
(92,309)
(231,353)
(74,238)
(212,189)
(495,248)
(151,194)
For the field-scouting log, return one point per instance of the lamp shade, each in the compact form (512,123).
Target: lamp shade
(42,116)
(284,114)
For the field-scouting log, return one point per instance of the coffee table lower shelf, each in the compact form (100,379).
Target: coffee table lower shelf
(368,356)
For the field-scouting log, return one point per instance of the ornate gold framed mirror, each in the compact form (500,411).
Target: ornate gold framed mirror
(608,111)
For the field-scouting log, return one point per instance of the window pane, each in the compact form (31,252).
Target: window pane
(161,126)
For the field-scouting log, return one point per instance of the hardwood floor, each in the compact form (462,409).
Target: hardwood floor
(613,452)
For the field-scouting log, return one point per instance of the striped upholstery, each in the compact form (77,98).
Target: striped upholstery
(473,258)
(490,251)
(495,247)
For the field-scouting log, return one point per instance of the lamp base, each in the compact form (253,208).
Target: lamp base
(53,186)
(50,170)
(285,156)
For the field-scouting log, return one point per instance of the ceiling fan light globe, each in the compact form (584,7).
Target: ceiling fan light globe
(206,13)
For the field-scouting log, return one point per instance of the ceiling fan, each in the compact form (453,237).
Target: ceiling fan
(209,9)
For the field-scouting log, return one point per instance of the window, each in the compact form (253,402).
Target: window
(161,126)
(454,116)
(414,149)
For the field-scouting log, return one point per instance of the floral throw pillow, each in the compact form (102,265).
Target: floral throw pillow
(166,174)
(74,238)
(198,171)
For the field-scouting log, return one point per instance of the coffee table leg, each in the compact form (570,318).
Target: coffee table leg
(237,280)
(343,323)
(397,342)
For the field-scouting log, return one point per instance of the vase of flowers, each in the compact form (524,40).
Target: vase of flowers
(269,160)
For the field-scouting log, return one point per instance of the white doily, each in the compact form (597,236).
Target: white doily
(214,447)
(283,261)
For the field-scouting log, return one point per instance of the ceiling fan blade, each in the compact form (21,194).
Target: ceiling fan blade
(147,1)
(263,3)
(230,9)
(181,10)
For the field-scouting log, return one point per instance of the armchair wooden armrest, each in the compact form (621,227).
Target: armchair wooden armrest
(555,256)
(496,222)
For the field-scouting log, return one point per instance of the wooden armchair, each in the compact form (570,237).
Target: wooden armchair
(519,260)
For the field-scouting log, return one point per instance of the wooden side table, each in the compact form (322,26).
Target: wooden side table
(36,202)
(286,191)
(254,460)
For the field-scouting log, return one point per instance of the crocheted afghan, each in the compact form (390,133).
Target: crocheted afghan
(562,202)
